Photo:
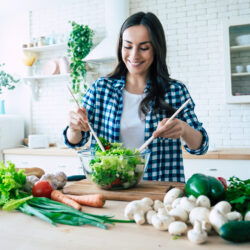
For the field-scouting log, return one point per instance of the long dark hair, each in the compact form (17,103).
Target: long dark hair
(158,74)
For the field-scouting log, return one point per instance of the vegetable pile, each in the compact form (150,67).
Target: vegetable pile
(176,212)
(16,193)
(117,167)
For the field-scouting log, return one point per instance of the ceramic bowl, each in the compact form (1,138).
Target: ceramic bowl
(243,40)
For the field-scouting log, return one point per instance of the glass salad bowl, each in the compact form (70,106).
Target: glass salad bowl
(120,169)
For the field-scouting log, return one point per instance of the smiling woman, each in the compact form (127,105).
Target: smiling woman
(136,100)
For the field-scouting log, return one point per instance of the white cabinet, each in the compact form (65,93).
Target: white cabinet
(50,164)
(237,60)
(216,168)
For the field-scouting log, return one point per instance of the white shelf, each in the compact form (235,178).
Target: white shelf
(241,74)
(41,77)
(232,29)
(240,48)
(61,46)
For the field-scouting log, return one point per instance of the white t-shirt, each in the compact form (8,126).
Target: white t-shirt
(132,126)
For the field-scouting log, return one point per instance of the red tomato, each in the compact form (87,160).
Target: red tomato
(223,181)
(116,181)
(42,189)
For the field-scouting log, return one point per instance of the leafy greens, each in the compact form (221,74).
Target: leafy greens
(11,183)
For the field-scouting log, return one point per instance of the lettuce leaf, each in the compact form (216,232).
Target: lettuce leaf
(11,183)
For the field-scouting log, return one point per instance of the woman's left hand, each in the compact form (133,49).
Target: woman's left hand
(174,129)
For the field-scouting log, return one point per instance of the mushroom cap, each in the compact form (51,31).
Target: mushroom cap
(177,228)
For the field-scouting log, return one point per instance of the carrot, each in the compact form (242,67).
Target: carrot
(60,197)
(92,200)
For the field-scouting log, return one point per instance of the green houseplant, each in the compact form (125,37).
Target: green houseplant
(79,44)
(6,80)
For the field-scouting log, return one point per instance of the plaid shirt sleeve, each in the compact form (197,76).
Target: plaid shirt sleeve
(188,115)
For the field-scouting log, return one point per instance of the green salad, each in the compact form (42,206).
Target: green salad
(117,167)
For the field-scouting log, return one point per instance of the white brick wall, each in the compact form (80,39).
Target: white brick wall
(195,56)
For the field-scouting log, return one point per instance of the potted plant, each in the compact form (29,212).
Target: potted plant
(6,81)
(79,44)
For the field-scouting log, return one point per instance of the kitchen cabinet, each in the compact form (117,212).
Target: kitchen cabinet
(237,59)
(49,163)
(217,167)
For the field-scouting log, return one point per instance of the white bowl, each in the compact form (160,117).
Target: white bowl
(243,40)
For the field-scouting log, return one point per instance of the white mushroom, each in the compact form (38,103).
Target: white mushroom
(162,211)
(203,201)
(171,195)
(177,228)
(149,216)
(179,214)
(234,216)
(197,235)
(176,202)
(192,198)
(206,226)
(158,204)
(247,216)
(186,204)
(161,222)
(223,206)
(217,219)
(135,210)
(147,201)
(199,213)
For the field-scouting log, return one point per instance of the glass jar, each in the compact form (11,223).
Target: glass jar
(42,41)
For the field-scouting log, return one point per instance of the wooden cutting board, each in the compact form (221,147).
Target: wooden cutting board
(155,190)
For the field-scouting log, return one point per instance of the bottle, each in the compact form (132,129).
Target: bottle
(42,41)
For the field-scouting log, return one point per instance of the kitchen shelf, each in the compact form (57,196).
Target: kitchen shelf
(41,77)
(61,46)
(240,48)
(236,82)
(33,82)
(241,74)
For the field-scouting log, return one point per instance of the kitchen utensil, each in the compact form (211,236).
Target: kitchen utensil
(91,129)
(51,67)
(114,171)
(155,190)
(171,118)
(76,177)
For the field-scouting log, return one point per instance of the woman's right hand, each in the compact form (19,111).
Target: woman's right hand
(78,121)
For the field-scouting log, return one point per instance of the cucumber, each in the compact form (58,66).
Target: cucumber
(236,231)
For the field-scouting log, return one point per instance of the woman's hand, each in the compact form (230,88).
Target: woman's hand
(78,121)
(174,129)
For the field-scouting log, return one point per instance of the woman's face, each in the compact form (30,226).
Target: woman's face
(137,50)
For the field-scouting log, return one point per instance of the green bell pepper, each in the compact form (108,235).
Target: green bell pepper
(200,184)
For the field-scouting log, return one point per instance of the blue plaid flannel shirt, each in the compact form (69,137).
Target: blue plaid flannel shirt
(104,104)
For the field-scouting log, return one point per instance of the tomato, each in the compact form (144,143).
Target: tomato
(116,181)
(42,189)
(223,181)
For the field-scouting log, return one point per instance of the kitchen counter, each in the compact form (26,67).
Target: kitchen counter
(20,231)
(226,154)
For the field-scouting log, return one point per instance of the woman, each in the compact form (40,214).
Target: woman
(136,100)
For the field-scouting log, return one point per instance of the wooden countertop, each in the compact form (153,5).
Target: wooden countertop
(20,231)
(226,153)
